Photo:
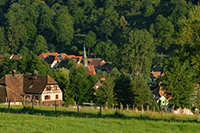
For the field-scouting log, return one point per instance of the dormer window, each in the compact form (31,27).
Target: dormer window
(55,88)
(30,86)
(48,88)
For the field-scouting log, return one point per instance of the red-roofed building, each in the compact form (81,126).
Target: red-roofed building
(161,96)
(53,61)
(96,86)
(11,56)
(96,62)
(28,87)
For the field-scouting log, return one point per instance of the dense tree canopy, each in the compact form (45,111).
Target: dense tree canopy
(134,35)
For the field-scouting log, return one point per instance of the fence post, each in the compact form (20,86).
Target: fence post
(121,107)
(133,108)
(6,100)
(77,107)
(55,107)
(113,106)
(127,107)
(180,111)
(32,104)
(148,108)
(142,109)
(100,109)
(165,108)
(24,100)
(9,104)
(196,111)
(106,105)
(172,111)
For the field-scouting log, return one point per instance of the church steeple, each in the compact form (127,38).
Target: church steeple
(85,61)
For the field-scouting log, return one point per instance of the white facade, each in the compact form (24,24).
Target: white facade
(50,93)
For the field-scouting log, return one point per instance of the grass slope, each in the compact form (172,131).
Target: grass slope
(88,121)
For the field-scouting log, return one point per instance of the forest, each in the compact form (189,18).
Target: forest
(134,34)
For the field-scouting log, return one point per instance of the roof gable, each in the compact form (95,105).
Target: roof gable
(2,80)
(96,62)
(45,55)
(13,96)
(51,58)
(15,82)
(32,85)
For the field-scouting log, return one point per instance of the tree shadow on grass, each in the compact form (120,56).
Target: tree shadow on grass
(115,115)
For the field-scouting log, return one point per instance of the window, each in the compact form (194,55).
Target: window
(48,88)
(30,86)
(55,88)
(47,97)
(56,96)
(91,63)
(27,97)
(96,63)
(36,97)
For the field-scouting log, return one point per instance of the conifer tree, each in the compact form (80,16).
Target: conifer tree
(178,82)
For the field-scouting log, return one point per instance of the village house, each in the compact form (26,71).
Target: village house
(156,71)
(91,65)
(160,96)
(11,56)
(98,84)
(19,88)
(53,61)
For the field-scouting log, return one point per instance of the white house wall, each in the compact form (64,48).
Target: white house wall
(164,101)
(52,93)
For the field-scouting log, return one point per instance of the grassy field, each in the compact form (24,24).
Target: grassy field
(67,120)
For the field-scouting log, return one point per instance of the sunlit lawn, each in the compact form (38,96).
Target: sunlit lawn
(88,120)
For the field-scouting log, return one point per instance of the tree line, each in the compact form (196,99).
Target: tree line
(129,33)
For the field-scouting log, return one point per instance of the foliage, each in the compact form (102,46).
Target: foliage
(141,91)
(178,82)
(105,92)
(135,56)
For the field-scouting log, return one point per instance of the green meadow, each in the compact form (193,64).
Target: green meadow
(45,119)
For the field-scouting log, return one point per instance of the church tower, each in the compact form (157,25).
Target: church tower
(85,61)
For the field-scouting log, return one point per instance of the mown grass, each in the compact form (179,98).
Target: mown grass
(44,119)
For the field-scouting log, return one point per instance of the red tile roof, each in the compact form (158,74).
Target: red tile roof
(70,56)
(36,85)
(12,56)
(63,55)
(56,58)
(45,55)
(15,86)
(102,79)
(91,70)
(15,82)
(96,62)
(13,96)
(98,83)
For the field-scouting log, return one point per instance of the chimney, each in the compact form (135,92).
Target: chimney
(34,74)
(14,73)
